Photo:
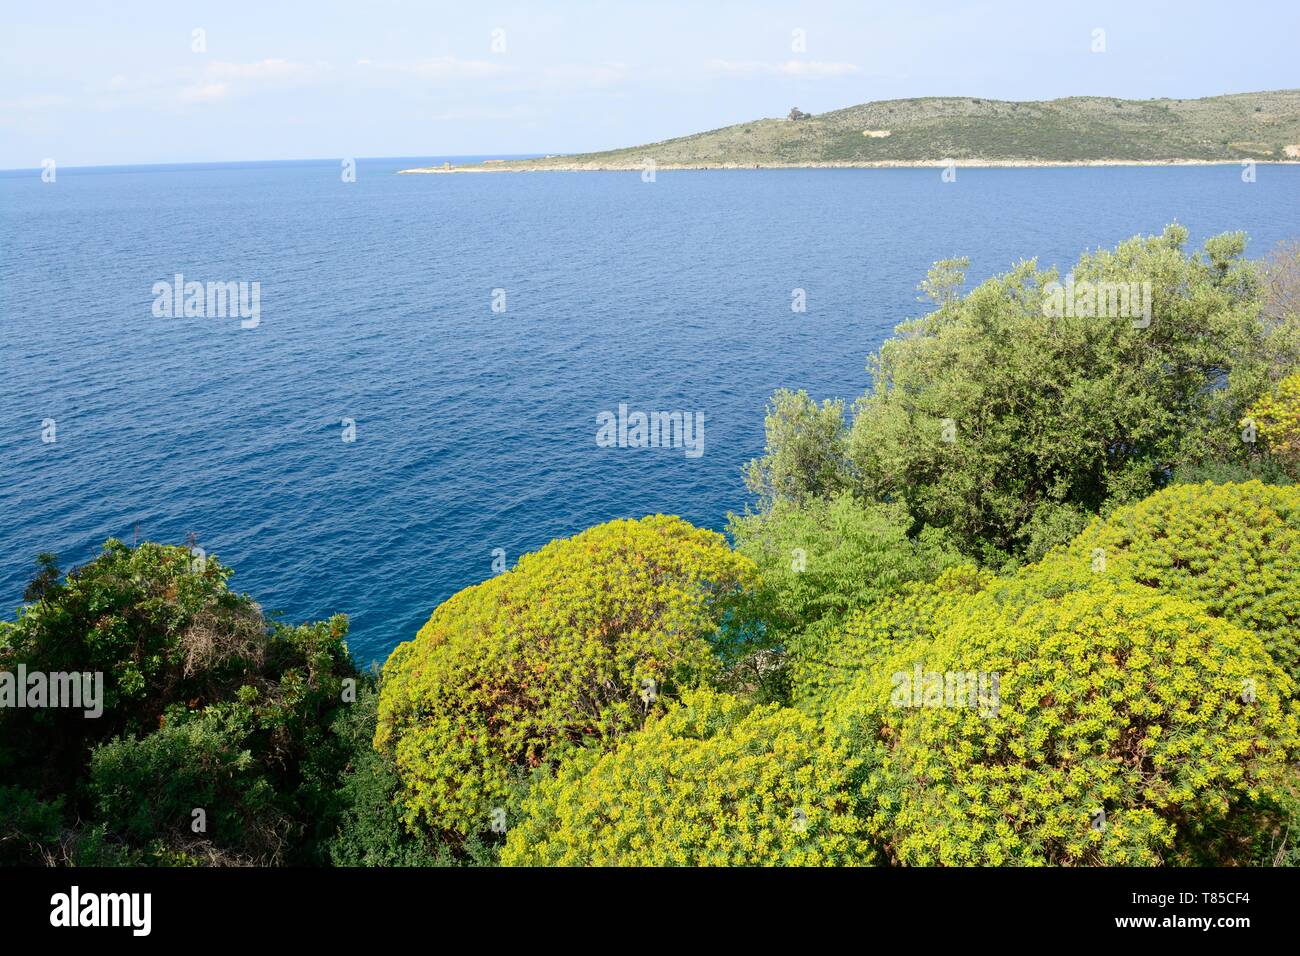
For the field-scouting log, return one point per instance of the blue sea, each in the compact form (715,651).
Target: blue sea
(474,429)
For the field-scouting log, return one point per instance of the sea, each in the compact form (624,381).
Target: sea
(414,388)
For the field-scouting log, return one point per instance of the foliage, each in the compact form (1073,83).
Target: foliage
(827,661)
(1111,699)
(943,280)
(817,562)
(713,782)
(160,627)
(1277,416)
(580,640)
(1263,468)
(1232,548)
(150,787)
(805,453)
(28,825)
(370,828)
(825,558)
(1009,426)
(205,706)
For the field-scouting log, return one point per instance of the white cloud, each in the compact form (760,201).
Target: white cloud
(33,104)
(807,69)
(479,115)
(204,93)
(262,70)
(214,82)
(558,76)
(585,74)
(442,66)
(222,80)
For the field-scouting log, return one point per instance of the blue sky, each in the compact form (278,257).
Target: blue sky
(104,83)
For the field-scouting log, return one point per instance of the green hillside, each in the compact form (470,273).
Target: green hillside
(1259,126)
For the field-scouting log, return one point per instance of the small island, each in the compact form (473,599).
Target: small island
(929,131)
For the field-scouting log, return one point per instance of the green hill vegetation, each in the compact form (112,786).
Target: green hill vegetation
(1032,599)
(932,130)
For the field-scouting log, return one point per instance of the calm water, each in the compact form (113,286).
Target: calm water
(475,430)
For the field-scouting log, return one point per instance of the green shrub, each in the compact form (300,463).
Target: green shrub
(826,557)
(205,705)
(29,826)
(828,660)
(159,622)
(160,626)
(370,831)
(1277,417)
(1009,426)
(1111,699)
(149,788)
(580,640)
(806,456)
(1233,548)
(1259,468)
(713,782)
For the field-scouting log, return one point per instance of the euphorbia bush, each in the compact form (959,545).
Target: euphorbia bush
(713,782)
(1233,548)
(1129,727)
(1277,417)
(581,640)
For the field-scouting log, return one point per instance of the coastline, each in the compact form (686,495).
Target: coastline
(530,166)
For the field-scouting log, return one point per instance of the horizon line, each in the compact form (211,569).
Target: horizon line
(302,159)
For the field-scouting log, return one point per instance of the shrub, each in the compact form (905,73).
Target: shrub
(28,825)
(160,626)
(1277,416)
(1233,548)
(370,831)
(805,453)
(205,705)
(713,782)
(149,788)
(827,557)
(1009,426)
(827,661)
(580,640)
(1111,700)
(1263,468)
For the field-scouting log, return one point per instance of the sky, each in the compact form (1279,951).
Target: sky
(124,82)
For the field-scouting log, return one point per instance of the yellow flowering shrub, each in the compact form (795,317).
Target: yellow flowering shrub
(1234,548)
(1124,726)
(1277,417)
(581,640)
(713,782)
(826,661)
